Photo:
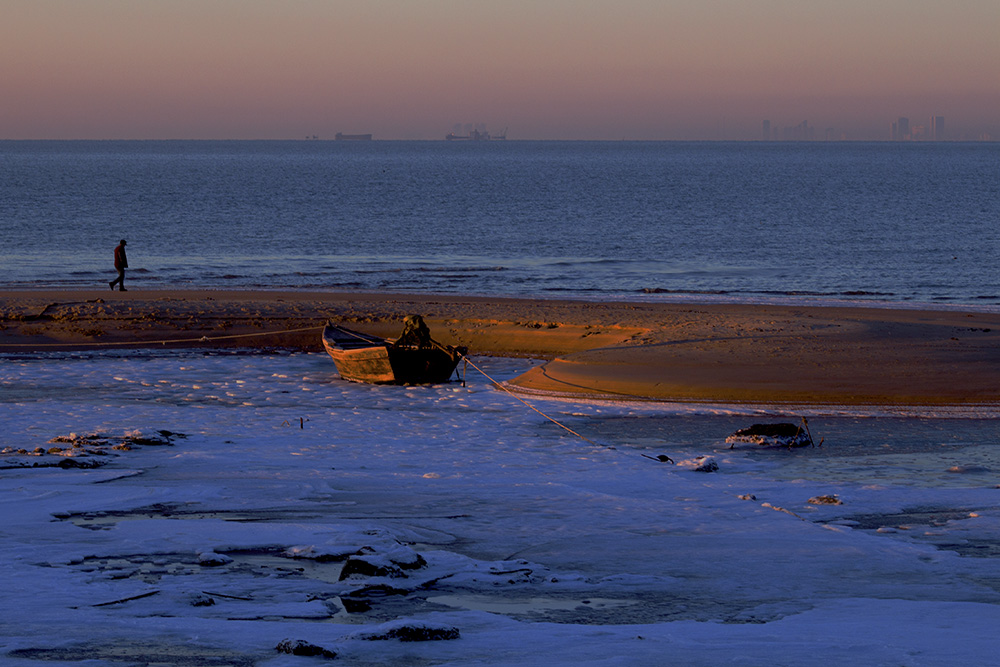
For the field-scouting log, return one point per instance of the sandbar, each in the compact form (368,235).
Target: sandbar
(668,351)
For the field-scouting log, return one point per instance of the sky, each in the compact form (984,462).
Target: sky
(543,69)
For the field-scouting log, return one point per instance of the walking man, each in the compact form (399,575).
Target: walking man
(121,263)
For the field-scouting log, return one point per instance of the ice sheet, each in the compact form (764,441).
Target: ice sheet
(468,511)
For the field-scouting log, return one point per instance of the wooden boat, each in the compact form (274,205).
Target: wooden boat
(413,358)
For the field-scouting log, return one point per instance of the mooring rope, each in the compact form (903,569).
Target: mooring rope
(204,339)
(529,405)
(164,341)
(661,459)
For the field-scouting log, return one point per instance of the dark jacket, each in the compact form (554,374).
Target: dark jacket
(121,261)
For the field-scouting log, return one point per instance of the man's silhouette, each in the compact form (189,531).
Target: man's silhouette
(121,263)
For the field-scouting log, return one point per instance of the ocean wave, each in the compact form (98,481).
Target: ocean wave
(664,290)
(590,261)
(866,293)
(429,269)
(770,293)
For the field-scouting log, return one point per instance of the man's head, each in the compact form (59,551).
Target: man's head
(122,242)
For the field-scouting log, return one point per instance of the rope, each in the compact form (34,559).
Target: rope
(515,396)
(203,339)
(661,458)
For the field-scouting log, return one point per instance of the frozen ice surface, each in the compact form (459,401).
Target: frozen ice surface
(284,503)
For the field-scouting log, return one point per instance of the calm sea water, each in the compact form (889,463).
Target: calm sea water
(900,223)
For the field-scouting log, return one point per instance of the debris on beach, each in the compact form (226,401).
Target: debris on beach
(127,439)
(830,499)
(699,464)
(78,451)
(772,435)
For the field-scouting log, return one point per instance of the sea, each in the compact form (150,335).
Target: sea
(890,223)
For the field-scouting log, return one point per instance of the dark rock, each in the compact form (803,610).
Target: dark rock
(408,633)
(370,567)
(212,559)
(74,463)
(406,558)
(771,435)
(352,606)
(325,554)
(770,430)
(378,591)
(92,440)
(412,632)
(144,440)
(706,464)
(300,647)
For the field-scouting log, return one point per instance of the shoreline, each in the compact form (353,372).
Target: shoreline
(673,351)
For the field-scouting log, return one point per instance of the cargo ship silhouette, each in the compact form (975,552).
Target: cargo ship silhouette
(476,135)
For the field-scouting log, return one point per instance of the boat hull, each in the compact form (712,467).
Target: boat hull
(363,358)
(368,365)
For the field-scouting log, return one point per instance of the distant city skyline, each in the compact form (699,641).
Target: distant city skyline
(558,69)
(900,129)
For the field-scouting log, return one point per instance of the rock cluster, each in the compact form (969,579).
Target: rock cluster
(82,451)
(771,435)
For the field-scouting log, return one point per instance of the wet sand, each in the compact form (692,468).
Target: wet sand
(667,351)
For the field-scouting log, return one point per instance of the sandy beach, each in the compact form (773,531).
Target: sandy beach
(665,351)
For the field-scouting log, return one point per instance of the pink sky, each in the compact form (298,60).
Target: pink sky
(545,69)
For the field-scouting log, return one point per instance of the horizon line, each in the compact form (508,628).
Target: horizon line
(563,140)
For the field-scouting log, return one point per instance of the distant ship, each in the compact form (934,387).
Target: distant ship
(476,135)
(340,136)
